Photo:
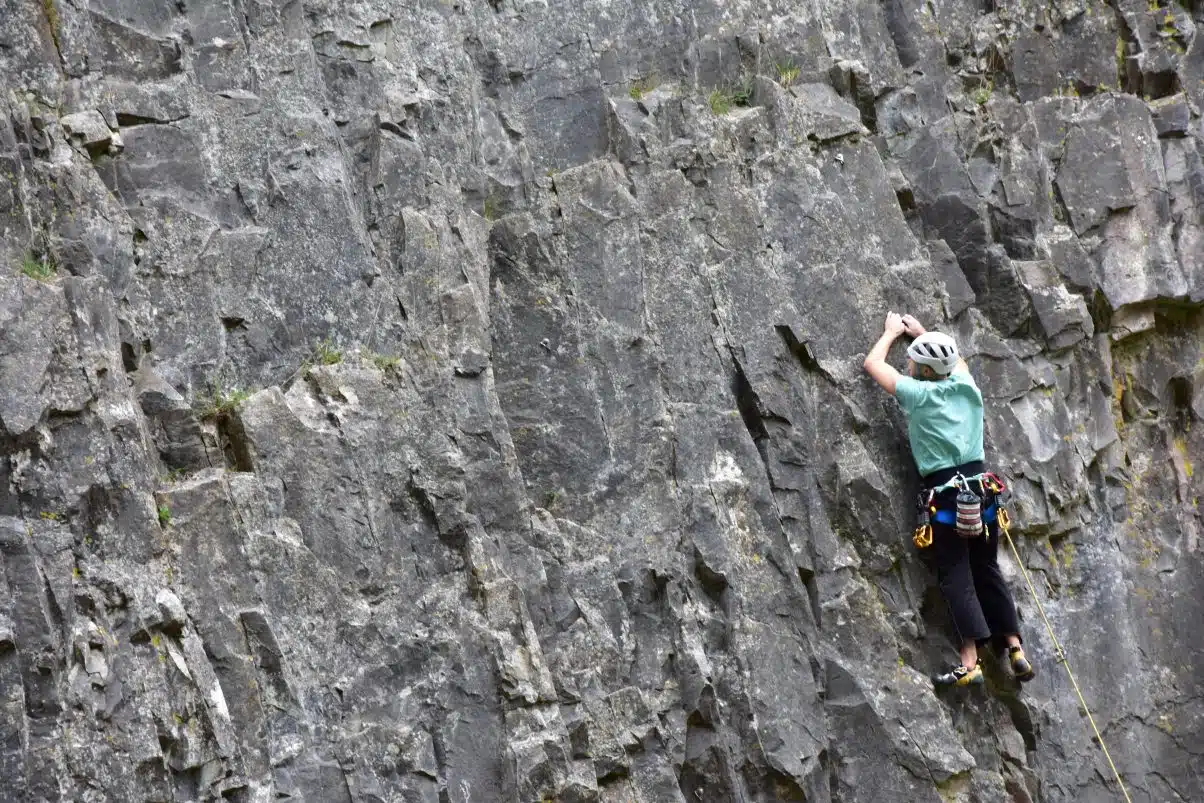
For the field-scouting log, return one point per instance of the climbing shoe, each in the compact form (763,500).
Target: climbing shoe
(958,675)
(1022,668)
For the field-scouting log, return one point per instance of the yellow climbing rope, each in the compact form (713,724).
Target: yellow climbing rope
(1059,654)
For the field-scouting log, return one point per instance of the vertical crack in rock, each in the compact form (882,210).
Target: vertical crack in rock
(750,414)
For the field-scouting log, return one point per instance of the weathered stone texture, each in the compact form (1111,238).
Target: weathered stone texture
(459,401)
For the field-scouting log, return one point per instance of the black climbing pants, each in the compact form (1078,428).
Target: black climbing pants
(967,570)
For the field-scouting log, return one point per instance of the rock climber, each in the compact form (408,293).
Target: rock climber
(945,428)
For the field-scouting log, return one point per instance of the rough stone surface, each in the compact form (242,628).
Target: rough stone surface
(463,401)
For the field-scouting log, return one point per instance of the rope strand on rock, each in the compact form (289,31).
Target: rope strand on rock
(1060,654)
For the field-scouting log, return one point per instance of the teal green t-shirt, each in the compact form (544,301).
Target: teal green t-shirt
(944,420)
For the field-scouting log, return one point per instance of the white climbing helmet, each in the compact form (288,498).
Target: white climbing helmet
(936,350)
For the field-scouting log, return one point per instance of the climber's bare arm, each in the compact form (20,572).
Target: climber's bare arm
(875,362)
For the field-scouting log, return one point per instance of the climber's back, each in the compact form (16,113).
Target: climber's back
(944,419)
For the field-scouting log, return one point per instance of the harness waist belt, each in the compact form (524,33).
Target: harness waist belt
(949,516)
(942,477)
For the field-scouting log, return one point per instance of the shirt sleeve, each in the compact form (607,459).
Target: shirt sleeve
(910,392)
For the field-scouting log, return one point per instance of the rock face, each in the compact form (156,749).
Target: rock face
(462,400)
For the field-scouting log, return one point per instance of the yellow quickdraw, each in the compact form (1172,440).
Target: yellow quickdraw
(922,537)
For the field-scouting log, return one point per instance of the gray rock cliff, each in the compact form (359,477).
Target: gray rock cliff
(462,401)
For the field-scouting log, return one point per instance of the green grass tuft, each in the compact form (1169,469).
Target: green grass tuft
(722,101)
(385,362)
(325,353)
(224,402)
(642,86)
(34,269)
(788,73)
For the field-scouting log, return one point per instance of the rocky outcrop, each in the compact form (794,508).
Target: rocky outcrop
(463,401)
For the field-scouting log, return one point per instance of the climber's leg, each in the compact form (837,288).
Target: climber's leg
(956,581)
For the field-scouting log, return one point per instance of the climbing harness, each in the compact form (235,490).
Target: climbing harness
(996,511)
(971,516)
